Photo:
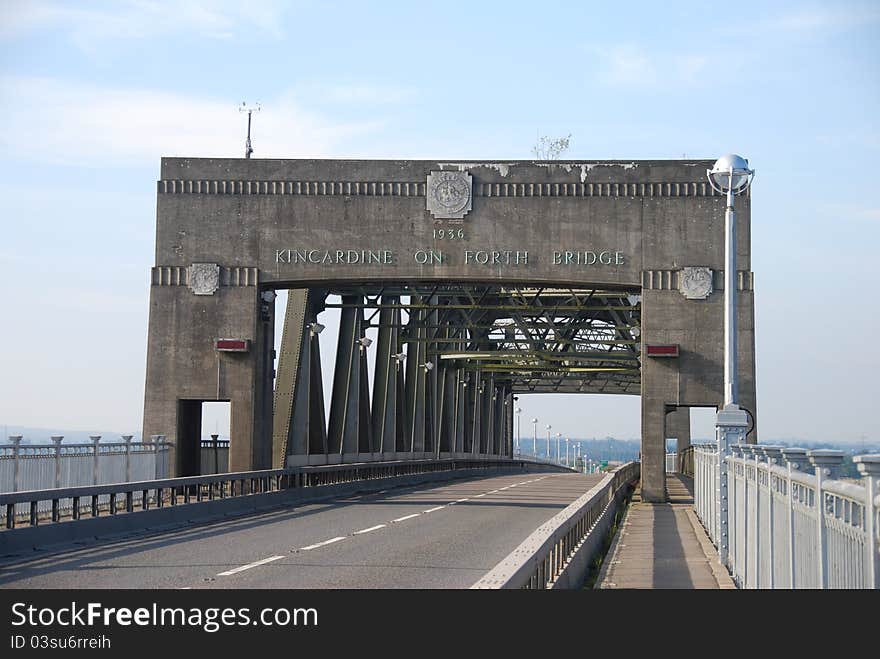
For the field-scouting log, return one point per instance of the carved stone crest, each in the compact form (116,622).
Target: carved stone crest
(695,282)
(449,194)
(204,278)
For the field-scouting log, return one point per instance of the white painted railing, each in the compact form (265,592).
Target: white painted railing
(57,465)
(672,463)
(791,525)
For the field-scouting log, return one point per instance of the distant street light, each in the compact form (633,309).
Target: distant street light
(548,440)
(518,444)
(535,439)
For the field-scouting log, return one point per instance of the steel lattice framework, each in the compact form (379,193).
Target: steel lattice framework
(535,339)
(449,357)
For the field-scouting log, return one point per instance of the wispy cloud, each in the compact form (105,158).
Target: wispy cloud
(631,65)
(812,21)
(85,124)
(363,94)
(846,212)
(139,19)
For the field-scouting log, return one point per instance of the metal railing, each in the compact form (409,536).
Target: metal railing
(214,455)
(543,557)
(790,528)
(686,461)
(26,467)
(31,508)
(672,463)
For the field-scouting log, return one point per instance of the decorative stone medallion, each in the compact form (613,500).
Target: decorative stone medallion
(204,278)
(695,282)
(449,194)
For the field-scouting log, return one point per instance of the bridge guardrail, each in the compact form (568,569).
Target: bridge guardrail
(686,461)
(556,554)
(789,528)
(74,503)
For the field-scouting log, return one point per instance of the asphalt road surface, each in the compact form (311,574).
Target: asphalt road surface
(440,535)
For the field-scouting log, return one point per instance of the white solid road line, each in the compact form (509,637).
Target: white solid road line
(249,566)
(372,528)
(405,517)
(321,544)
(479,495)
(431,510)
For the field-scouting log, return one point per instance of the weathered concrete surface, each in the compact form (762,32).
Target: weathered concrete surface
(658,216)
(662,545)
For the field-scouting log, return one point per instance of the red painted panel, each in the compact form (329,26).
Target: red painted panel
(231,345)
(662,351)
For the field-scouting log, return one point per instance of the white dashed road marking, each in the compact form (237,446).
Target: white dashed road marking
(322,544)
(249,566)
(372,528)
(405,517)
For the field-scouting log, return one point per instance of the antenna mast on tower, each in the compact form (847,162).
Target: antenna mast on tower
(245,108)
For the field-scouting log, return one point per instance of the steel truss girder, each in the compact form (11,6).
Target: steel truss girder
(469,348)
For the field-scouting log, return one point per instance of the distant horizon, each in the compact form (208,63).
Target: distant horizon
(111,435)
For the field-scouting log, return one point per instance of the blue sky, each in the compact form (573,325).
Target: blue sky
(92,94)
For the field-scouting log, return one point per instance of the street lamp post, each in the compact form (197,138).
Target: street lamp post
(558,445)
(730,176)
(548,440)
(535,438)
(518,444)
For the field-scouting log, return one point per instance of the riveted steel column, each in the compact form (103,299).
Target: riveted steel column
(385,392)
(475,412)
(446,409)
(286,376)
(432,381)
(299,426)
(415,380)
(508,426)
(344,431)
(316,429)
(365,442)
(464,414)
(487,413)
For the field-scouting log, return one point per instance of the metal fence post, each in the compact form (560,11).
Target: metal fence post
(869,468)
(730,428)
(773,455)
(733,510)
(824,460)
(216,450)
(158,443)
(96,467)
(796,460)
(127,440)
(16,461)
(56,439)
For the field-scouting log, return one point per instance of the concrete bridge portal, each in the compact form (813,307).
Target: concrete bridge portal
(478,280)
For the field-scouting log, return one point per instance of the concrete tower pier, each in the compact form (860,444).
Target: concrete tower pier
(477,281)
